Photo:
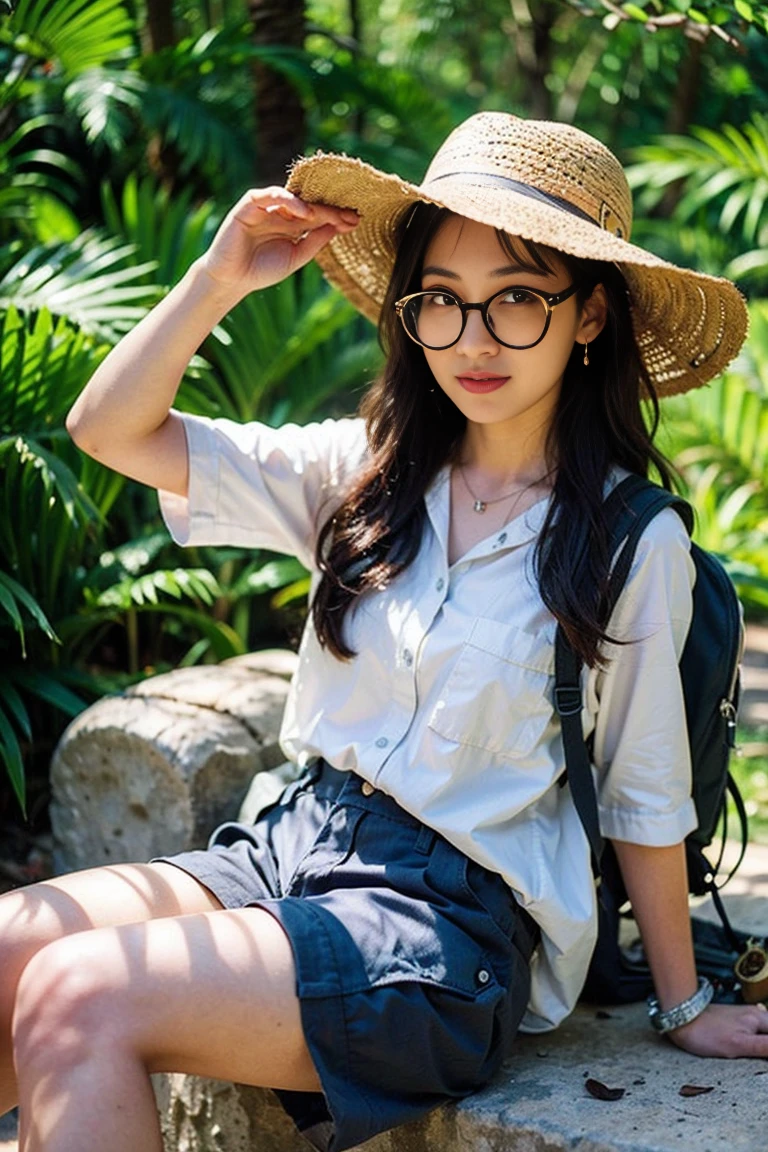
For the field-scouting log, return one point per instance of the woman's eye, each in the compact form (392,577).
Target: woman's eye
(441,299)
(518,296)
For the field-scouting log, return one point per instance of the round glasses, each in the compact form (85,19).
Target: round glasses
(516,317)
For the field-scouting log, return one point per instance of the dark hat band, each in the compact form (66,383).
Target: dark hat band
(486,178)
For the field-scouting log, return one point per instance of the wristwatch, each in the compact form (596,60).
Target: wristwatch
(681,1013)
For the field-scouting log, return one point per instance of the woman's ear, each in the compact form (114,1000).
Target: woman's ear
(594,314)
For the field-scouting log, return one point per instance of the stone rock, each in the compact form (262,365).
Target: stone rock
(199,1115)
(154,770)
(538,1101)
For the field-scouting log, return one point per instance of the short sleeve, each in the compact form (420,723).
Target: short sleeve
(262,487)
(641,750)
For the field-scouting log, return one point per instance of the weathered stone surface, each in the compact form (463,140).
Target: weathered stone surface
(154,770)
(537,1103)
(198,1115)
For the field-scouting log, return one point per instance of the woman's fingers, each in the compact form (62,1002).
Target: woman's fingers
(270,202)
(730,1030)
(309,244)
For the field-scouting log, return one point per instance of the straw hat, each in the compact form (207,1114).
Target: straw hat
(548,182)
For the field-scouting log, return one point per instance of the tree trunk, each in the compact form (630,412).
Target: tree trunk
(280,125)
(158,33)
(681,112)
(159,24)
(356,30)
(530,28)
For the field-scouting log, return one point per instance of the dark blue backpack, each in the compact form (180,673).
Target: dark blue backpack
(709,670)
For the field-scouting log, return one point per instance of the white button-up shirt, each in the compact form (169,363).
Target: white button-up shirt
(448,705)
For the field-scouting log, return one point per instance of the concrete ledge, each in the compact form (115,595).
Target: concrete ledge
(539,1103)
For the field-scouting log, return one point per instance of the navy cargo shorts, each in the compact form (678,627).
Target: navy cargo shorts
(412,961)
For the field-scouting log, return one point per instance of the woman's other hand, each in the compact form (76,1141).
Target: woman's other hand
(726,1030)
(267,235)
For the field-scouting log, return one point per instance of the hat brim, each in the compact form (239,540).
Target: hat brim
(689,325)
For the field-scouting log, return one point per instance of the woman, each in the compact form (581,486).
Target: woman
(371,945)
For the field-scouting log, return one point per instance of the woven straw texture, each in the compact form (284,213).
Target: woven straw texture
(688,325)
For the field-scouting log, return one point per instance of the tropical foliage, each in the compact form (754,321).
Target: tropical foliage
(121,150)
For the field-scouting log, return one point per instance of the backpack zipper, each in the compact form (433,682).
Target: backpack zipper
(727,706)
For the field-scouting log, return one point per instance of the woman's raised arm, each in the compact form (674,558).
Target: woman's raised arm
(123,416)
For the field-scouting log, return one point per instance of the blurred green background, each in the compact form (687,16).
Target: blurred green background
(127,131)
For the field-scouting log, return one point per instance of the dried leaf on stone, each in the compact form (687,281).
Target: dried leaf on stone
(601,1091)
(695,1090)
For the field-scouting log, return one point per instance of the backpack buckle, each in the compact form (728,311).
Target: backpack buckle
(567,700)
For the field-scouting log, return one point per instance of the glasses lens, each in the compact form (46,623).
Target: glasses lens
(433,318)
(518,317)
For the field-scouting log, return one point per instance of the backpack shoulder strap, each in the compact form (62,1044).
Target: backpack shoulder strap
(629,508)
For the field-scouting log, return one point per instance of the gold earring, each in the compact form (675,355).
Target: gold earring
(586,358)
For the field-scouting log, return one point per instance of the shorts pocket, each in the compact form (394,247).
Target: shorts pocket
(498,695)
(489,890)
(330,849)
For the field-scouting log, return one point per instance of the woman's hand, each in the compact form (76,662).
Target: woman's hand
(725,1030)
(267,235)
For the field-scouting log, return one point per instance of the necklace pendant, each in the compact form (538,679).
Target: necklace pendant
(480,506)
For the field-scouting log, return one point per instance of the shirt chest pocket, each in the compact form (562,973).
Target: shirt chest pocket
(498,695)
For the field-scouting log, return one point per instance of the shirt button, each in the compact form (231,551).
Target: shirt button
(382,742)
(483,976)
(407,657)
(502,538)
(367,789)
(440,584)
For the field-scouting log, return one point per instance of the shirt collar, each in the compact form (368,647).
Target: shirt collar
(521,530)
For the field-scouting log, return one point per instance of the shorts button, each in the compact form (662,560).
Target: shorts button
(382,742)
(367,789)
(483,976)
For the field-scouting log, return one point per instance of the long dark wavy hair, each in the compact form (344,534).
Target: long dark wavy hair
(414,429)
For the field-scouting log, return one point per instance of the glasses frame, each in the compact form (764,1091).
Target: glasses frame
(550,301)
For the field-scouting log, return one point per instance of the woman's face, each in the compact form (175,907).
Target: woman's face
(467,259)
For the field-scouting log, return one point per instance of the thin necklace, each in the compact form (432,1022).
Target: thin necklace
(481,505)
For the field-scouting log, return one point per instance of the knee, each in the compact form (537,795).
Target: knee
(62,1007)
(17,946)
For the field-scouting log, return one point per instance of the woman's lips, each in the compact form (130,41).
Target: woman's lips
(482,384)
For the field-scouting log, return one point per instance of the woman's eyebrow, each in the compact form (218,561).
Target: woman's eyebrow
(435,270)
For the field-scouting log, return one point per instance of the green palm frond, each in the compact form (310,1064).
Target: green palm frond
(166,228)
(107,102)
(14,601)
(17,687)
(84,280)
(282,353)
(12,709)
(44,363)
(80,34)
(37,186)
(726,169)
(198,99)
(132,591)
(46,519)
(205,135)
(718,437)
(725,425)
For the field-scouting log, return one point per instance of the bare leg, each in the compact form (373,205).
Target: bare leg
(35,916)
(96,1013)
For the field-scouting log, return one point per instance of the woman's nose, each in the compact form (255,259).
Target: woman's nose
(476,337)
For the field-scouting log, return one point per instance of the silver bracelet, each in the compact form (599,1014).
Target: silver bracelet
(681,1013)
